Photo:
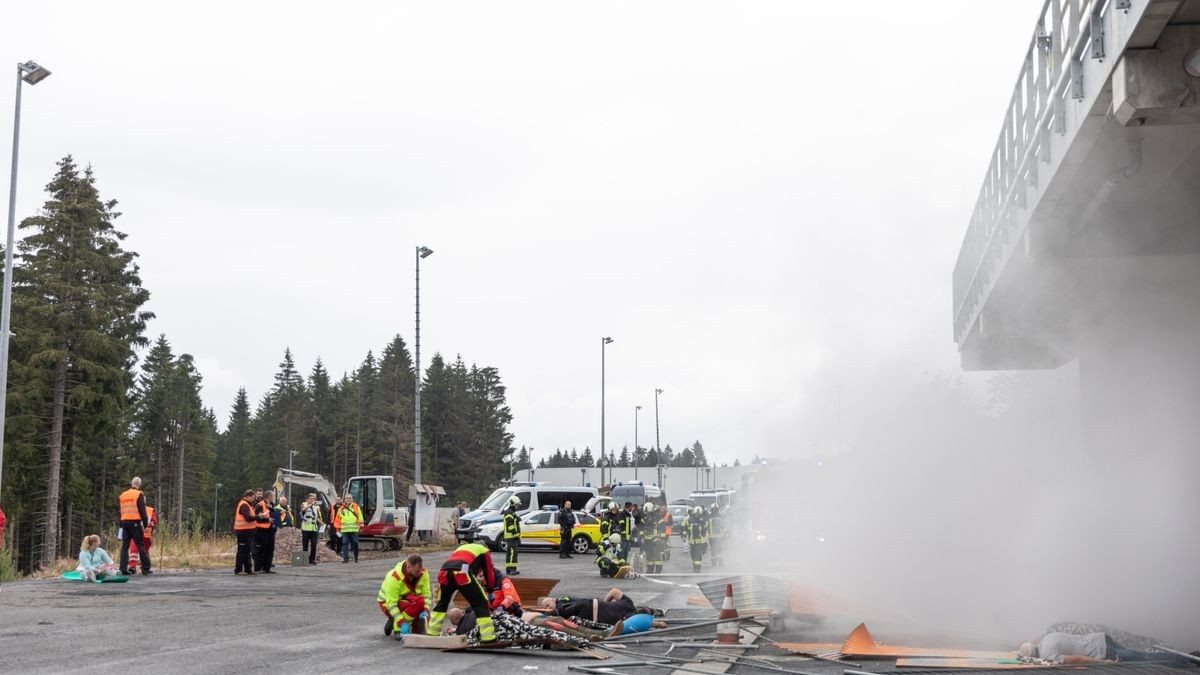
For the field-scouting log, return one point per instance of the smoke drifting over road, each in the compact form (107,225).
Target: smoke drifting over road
(985,517)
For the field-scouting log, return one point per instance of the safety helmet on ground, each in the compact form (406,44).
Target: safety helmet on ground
(614,538)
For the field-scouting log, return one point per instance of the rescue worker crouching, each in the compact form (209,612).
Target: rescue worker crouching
(405,597)
(608,557)
(512,534)
(458,574)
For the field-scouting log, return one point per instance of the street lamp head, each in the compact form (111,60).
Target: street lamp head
(637,407)
(608,340)
(424,252)
(658,391)
(32,72)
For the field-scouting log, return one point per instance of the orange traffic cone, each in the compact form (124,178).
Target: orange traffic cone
(728,632)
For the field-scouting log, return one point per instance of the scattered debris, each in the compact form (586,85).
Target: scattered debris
(860,644)
(1127,640)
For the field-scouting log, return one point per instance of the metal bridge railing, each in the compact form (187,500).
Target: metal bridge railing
(1067,33)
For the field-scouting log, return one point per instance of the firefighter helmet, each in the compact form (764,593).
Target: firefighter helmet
(698,510)
(648,507)
(614,538)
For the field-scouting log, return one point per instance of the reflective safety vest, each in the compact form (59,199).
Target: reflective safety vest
(285,516)
(650,529)
(695,528)
(263,510)
(240,524)
(153,521)
(716,526)
(350,519)
(310,518)
(512,525)
(129,505)
(396,585)
(626,524)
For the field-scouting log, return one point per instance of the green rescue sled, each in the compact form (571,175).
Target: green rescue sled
(74,576)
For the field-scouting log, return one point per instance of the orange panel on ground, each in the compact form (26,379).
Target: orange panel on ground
(860,643)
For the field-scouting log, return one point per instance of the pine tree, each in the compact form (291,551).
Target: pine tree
(586,459)
(623,458)
(77,309)
(522,460)
(698,454)
(573,458)
(639,456)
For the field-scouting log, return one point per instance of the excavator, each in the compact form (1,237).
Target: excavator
(384,522)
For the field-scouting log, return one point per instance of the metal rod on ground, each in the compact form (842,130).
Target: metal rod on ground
(660,631)
(810,655)
(857,672)
(626,652)
(1185,655)
(613,667)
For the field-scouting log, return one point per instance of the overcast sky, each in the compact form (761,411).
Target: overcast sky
(760,202)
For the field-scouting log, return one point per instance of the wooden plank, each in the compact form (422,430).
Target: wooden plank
(417,641)
(971,663)
(531,587)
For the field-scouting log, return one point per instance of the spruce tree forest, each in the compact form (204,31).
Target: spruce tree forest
(93,400)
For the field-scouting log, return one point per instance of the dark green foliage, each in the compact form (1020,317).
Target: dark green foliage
(77,319)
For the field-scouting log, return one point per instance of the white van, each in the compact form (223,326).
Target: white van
(533,496)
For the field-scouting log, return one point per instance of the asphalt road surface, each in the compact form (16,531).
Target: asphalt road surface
(300,620)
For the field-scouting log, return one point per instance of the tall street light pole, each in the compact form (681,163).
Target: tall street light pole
(636,409)
(422,252)
(604,342)
(32,73)
(657,447)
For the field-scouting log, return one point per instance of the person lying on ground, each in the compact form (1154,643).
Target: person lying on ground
(94,562)
(1066,648)
(615,606)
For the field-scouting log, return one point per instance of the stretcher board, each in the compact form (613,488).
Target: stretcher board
(973,664)
(75,576)
(415,641)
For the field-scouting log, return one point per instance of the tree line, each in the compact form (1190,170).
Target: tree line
(692,455)
(84,416)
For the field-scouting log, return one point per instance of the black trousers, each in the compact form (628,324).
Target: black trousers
(307,536)
(564,547)
(132,533)
(264,549)
(245,547)
(510,562)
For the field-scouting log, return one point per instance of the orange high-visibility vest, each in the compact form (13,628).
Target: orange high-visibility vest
(149,517)
(264,511)
(337,518)
(129,505)
(240,524)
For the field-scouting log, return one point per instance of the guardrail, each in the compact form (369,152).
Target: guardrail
(1068,35)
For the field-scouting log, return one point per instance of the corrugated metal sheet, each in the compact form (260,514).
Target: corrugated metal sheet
(750,591)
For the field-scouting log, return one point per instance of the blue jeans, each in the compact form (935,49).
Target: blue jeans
(349,539)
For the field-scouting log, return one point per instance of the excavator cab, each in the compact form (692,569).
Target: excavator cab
(376,495)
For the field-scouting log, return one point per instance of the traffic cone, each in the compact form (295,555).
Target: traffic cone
(728,632)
